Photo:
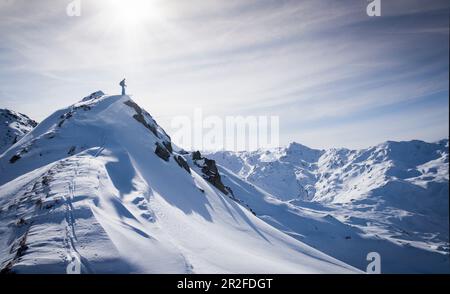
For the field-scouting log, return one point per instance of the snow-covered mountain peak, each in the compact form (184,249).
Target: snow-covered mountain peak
(102,179)
(13,126)
(444,143)
(393,197)
(300,148)
(101,182)
(93,96)
(91,123)
(298,151)
(288,172)
(408,153)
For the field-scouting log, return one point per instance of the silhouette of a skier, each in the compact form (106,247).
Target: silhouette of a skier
(123,85)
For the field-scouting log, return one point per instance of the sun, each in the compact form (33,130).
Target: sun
(131,27)
(132,13)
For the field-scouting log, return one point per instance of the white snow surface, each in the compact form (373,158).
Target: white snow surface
(13,126)
(86,182)
(392,199)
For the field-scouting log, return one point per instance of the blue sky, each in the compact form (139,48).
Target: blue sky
(336,77)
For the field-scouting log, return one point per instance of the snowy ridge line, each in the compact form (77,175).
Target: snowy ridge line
(392,198)
(117,195)
(13,126)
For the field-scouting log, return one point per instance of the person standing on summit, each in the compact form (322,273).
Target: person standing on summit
(123,85)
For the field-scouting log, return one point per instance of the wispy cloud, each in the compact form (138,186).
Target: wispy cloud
(318,64)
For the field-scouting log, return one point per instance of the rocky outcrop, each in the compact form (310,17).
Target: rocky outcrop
(182,163)
(68,115)
(72,150)
(197,155)
(12,116)
(64,117)
(15,158)
(210,172)
(139,116)
(163,149)
(162,152)
(13,127)
(93,96)
(168,146)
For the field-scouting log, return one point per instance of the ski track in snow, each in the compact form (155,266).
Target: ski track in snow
(122,203)
(71,236)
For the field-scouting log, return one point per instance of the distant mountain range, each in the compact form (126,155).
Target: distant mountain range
(101,182)
(98,186)
(392,198)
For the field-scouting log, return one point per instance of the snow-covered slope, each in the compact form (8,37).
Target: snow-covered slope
(338,175)
(13,126)
(100,181)
(391,198)
(288,173)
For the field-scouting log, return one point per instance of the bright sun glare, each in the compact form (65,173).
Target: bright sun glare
(130,13)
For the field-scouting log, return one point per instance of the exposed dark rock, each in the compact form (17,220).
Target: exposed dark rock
(94,95)
(72,150)
(134,106)
(15,127)
(168,146)
(64,117)
(7,269)
(182,163)
(84,107)
(14,158)
(20,251)
(140,117)
(70,114)
(184,152)
(22,246)
(46,181)
(12,116)
(39,203)
(197,155)
(49,206)
(50,135)
(211,174)
(21,222)
(162,152)
(230,191)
